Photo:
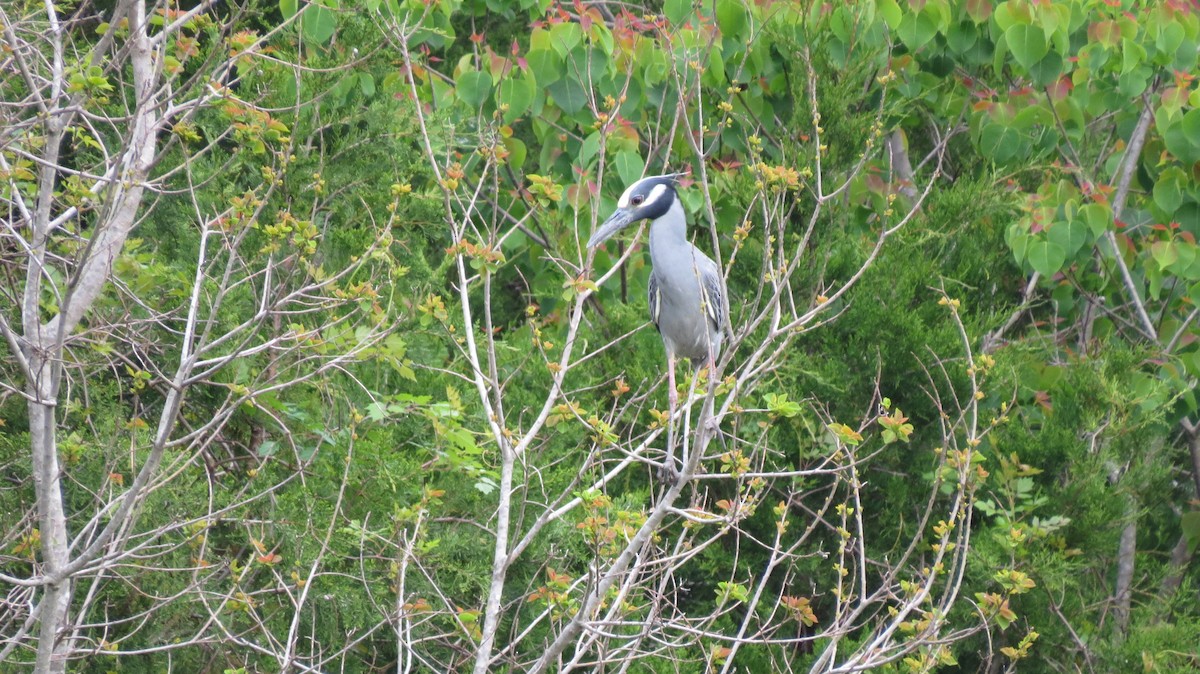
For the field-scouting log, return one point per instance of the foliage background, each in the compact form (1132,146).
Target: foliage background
(1063,223)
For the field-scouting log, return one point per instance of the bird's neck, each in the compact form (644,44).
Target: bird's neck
(669,231)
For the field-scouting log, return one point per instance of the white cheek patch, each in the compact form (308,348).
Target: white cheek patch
(656,193)
(623,202)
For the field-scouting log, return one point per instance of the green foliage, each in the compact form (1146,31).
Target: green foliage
(341,486)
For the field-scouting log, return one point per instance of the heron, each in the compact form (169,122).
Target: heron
(686,289)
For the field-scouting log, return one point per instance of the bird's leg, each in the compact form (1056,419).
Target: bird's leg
(711,424)
(672,393)
(668,473)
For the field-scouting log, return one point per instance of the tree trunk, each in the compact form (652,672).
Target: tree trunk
(52,521)
(1123,593)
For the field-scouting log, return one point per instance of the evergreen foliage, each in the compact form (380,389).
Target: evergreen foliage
(376,407)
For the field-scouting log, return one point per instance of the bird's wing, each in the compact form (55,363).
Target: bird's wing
(653,299)
(712,291)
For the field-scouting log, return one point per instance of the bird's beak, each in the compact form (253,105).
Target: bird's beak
(620,219)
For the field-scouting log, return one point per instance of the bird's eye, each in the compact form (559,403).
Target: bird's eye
(638,199)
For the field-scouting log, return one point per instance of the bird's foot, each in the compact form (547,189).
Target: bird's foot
(668,473)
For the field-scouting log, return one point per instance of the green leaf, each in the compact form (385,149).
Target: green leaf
(1182,138)
(473,87)
(343,87)
(778,405)
(546,66)
(1168,191)
(1155,276)
(731,17)
(1190,524)
(1046,257)
(1191,127)
(317,24)
(568,94)
(589,149)
(917,29)
(366,83)
(841,24)
(1133,83)
(890,11)
(443,93)
(1132,55)
(289,8)
(1098,218)
(846,434)
(1071,235)
(1031,116)
(1027,44)
(1046,71)
(1170,36)
(1000,143)
(564,37)
(1018,241)
(517,94)
(962,37)
(630,166)
(516,152)
(677,10)
(588,63)
(1185,265)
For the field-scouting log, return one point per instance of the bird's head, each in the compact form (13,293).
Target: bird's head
(647,199)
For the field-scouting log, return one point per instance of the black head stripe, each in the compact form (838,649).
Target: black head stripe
(659,193)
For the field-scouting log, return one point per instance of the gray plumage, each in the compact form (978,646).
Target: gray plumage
(686,290)
(685,296)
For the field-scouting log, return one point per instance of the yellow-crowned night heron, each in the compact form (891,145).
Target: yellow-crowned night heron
(687,298)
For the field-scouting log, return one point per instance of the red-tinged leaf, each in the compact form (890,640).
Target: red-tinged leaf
(1173,98)
(875,184)
(1127,243)
(979,10)
(1060,89)
(1164,252)
(1106,33)
(1043,400)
